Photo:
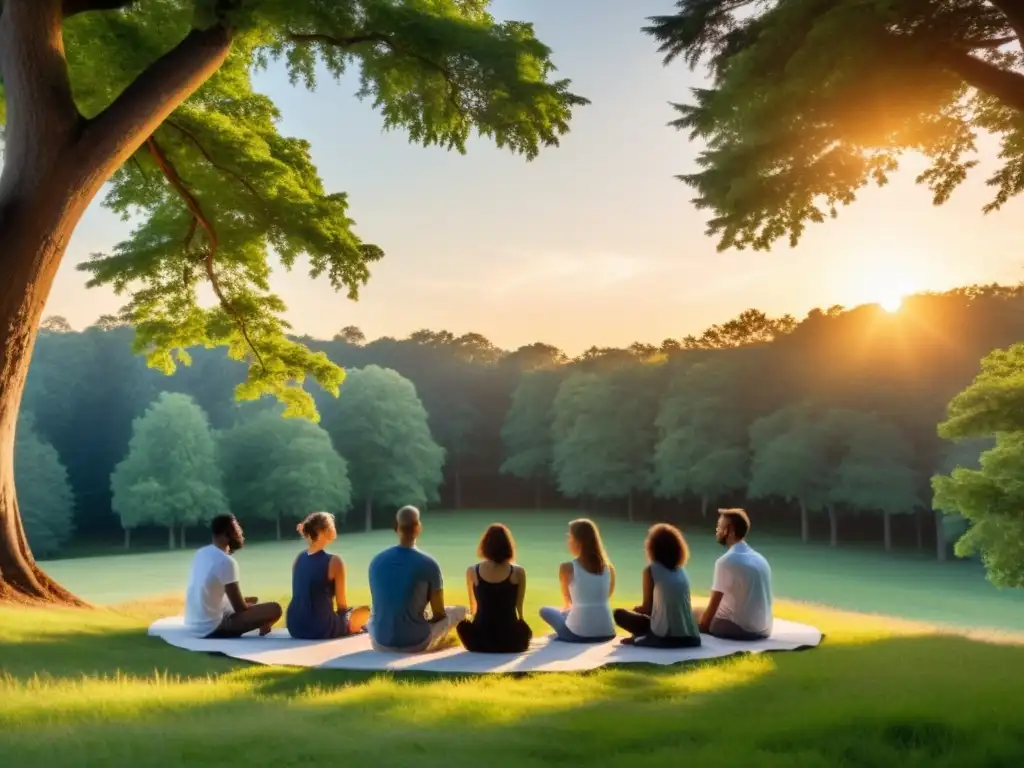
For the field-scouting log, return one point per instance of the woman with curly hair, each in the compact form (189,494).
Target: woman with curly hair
(665,618)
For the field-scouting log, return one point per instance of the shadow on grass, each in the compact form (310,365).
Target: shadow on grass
(930,700)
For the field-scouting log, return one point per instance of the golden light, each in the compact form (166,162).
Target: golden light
(891,303)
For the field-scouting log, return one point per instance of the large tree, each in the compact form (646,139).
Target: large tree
(156,99)
(810,101)
(171,477)
(46,500)
(278,468)
(380,427)
(992,497)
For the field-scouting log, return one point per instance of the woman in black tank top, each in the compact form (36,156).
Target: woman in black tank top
(496,587)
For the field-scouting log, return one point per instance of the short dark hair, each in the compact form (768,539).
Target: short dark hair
(665,545)
(497,544)
(223,525)
(738,521)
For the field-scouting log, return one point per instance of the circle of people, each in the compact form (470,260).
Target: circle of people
(409,615)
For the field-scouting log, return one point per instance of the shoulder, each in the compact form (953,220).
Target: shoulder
(336,562)
(566,567)
(518,574)
(471,572)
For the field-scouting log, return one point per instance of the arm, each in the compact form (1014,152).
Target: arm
(565,579)
(435,586)
(611,581)
(234,595)
(470,583)
(336,571)
(647,605)
(710,611)
(521,592)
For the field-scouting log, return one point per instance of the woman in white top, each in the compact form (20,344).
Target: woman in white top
(588,582)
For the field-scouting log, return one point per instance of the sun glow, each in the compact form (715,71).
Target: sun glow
(892,302)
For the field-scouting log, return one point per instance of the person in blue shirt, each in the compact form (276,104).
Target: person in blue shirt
(403,582)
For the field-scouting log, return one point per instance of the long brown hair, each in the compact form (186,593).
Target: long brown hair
(592,556)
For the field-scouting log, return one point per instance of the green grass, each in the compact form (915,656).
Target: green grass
(89,689)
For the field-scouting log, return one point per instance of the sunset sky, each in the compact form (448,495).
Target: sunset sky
(595,242)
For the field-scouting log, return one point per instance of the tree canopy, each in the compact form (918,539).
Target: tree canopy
(810,101)
(47,502)
(380,428)
(278,468)
(171,476)
(526,432)
(990,497)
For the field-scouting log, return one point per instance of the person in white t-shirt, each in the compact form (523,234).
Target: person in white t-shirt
(740,606)
(214,606)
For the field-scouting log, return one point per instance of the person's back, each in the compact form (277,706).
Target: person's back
(311,614)
(206,602)
(590,614)
(401,579)
(672,613)
(744,578)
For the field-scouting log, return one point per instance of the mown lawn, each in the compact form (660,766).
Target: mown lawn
(88,688)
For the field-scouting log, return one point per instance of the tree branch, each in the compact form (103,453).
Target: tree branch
(1003,84)
(111,137)
(74,7)
(199,217)
(994,42)
(370,37)
(202,150)
(1013,10)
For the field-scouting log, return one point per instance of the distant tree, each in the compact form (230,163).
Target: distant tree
(875,474)
(47,505)
(110,322)
(526,433)
(752,326)
(791,461)
(642,351)
(278,468)
(964,453)
(351,334)
(670,347)
(535,356)
(603,436)
(55,324)
(702,436)
(990,498)
(792,83)
(380,427)
(476,348)
(171,477)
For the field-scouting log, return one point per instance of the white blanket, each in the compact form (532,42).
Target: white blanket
(278,648)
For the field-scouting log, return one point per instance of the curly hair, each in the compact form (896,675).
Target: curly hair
(665,545)
(315,524)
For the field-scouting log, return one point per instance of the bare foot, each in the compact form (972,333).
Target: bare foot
(265,629)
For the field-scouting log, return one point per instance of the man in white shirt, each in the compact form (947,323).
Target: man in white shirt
(740,607)
(214,606)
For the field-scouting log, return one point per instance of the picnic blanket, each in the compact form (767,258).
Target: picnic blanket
(544,655)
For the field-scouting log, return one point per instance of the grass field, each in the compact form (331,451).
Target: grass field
(89,689)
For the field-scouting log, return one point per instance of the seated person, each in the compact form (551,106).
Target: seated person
(740,607)
(319,609)
(214,606)
(665,618)
(496,588)
(403,581)
(588,582)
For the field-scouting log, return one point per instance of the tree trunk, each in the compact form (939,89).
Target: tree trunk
(538,495)
(919,530)
(833,525)
(55,162)
(941,545)
(629,507)
(805,524)
(127,538)
(183,528)
(458,488)
(170,537)
(887,525)
(277,527)
(369,515)
(703,506)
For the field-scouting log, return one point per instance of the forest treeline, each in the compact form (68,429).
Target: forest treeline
(825,427)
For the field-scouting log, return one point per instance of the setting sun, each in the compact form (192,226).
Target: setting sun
(891,303)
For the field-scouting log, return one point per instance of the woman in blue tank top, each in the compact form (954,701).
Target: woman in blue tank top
(319,609)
